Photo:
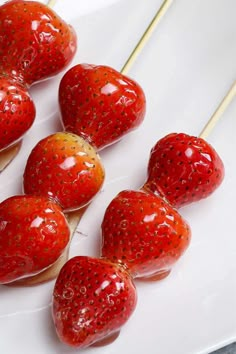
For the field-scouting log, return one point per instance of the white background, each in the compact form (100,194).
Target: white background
(185,70)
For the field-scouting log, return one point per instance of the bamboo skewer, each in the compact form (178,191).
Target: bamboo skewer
(219,112)
(51,3)
(146,36)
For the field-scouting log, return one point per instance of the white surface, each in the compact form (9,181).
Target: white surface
(185,70)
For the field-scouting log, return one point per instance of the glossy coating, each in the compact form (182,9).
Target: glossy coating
(184,169)
(100,104)
(65,168)
(33,234)
(144,233)
(35,42)
(92,299)
(17,111)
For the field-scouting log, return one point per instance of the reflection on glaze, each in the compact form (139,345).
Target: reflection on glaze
(68,163)
(37,222)
(149,218)
(189,152)
(109,89)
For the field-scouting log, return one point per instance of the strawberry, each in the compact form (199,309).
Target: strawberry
(100,104)
(65,168)
(17,112)
(33,235)
(92,300)
(35,42)
(143,233)
(183,169)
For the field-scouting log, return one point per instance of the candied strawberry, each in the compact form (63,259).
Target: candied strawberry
(100,104)
(184,169)
(17,112)
(35,43)
(33,234)
(65,168)
(144,233)
(92,300)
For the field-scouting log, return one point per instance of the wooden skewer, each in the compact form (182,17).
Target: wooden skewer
(51,3)
(146,36)
(219,112)
(74,218)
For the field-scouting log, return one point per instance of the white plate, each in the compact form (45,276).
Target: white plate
(185,70)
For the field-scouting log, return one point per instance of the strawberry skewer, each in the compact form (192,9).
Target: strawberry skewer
(203,170)
(184,169)
(140,228)
(143,234)
(43,169)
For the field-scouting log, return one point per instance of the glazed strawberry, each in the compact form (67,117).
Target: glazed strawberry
(92,300)
(183,169)
(65,168)
(35,42)
(100,104)
(17,112)
(144,233)
(33,235)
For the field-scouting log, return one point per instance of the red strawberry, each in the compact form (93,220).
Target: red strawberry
(100,104)
(65,168)
(35,42)
(144,233)
(92,300)
(17,112)
(33,235)
(183,169)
